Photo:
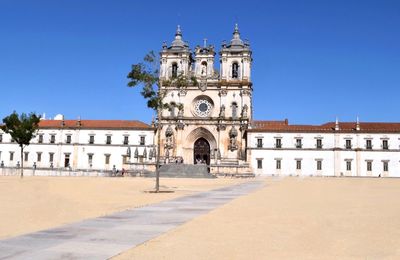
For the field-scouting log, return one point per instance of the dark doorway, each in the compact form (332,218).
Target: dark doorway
(201,153)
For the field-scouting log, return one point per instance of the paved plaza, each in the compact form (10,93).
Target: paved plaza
(107,236)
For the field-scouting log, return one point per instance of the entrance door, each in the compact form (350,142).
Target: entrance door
(201,151)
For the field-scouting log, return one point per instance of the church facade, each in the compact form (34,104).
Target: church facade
(212,115)
(210,121)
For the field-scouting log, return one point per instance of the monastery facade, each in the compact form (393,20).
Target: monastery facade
(211,122)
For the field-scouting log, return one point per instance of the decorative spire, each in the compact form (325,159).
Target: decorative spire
(178,42)
(178,31)
(236,41)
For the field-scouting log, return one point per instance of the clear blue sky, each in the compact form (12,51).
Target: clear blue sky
(313,60)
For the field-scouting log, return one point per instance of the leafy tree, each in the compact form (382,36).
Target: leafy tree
(22,129)
(146,75)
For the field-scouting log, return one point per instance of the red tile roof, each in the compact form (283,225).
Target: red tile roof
(344,127)
(95,124)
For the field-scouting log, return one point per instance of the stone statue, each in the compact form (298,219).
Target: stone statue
(222,111)
(244,111)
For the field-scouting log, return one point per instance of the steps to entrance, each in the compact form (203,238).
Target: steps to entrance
(185,171)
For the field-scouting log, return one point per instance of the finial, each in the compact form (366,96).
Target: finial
(236,28)
(178,30)
(205,42)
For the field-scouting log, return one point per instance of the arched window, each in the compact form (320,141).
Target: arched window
(234,110)
(235,70)
(174,70)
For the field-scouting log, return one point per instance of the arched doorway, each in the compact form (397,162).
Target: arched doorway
(201,151)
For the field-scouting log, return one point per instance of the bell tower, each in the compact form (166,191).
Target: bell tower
(176,59)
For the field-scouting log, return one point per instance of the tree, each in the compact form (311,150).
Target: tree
(22,129)
(146,75)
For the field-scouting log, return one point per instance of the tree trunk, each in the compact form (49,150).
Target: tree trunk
(22,161)
(158,152)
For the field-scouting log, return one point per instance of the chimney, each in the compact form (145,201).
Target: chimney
(79,123)
(337,128)
(358,124)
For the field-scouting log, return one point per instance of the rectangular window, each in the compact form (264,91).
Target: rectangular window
(108,139)
(51,157)
(52,139)
(369,166)
(348,144)
(278,164)
(319,165)
(142,140)
(259,163)
(90,158)
(126,139)
(66,160)
(385,166)
(1,138)
(68,141)
(26,156)
(348,165)
(39,156)
(278,143)
(298,164)
(11,156)
(40,140)
(368,144)
(91,139)
(107,157)
(319,143)
(385,144)
(298,143)
(259,143)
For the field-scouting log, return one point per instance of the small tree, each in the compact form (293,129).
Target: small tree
(146,74)
(22,129)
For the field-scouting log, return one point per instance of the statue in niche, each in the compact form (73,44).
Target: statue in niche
(244,112)
(222,111)
(232,139)
(180,112)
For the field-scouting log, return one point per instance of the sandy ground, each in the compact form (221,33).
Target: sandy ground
(36,203)
(292,218)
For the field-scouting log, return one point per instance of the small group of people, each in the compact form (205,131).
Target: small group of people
(116,172)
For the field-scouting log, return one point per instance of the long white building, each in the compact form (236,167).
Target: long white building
(98,145)
(331,149)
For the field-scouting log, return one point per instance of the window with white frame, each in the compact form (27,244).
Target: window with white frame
(369,166)
(385,166)
(108,139)
(11,156)
(319,164)
(278,163)
(259,163)
(39,156)
(68,139)
(126,139)
(107,158)
(348,144)
(51,157)
(385,144)
(298,143)
(298,164)
(26,156)
(259,142)
(40,139)
(142,140)
(90,158)
(319,143)
(91,139)
(52,138)
(278,143)
(348,165)
(368,144)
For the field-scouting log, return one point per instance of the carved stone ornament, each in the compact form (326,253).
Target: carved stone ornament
(223,92)
(232,139)
(203,85)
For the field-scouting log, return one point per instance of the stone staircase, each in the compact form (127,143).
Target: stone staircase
(185,171)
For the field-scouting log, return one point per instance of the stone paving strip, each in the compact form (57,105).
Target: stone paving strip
(107,236)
